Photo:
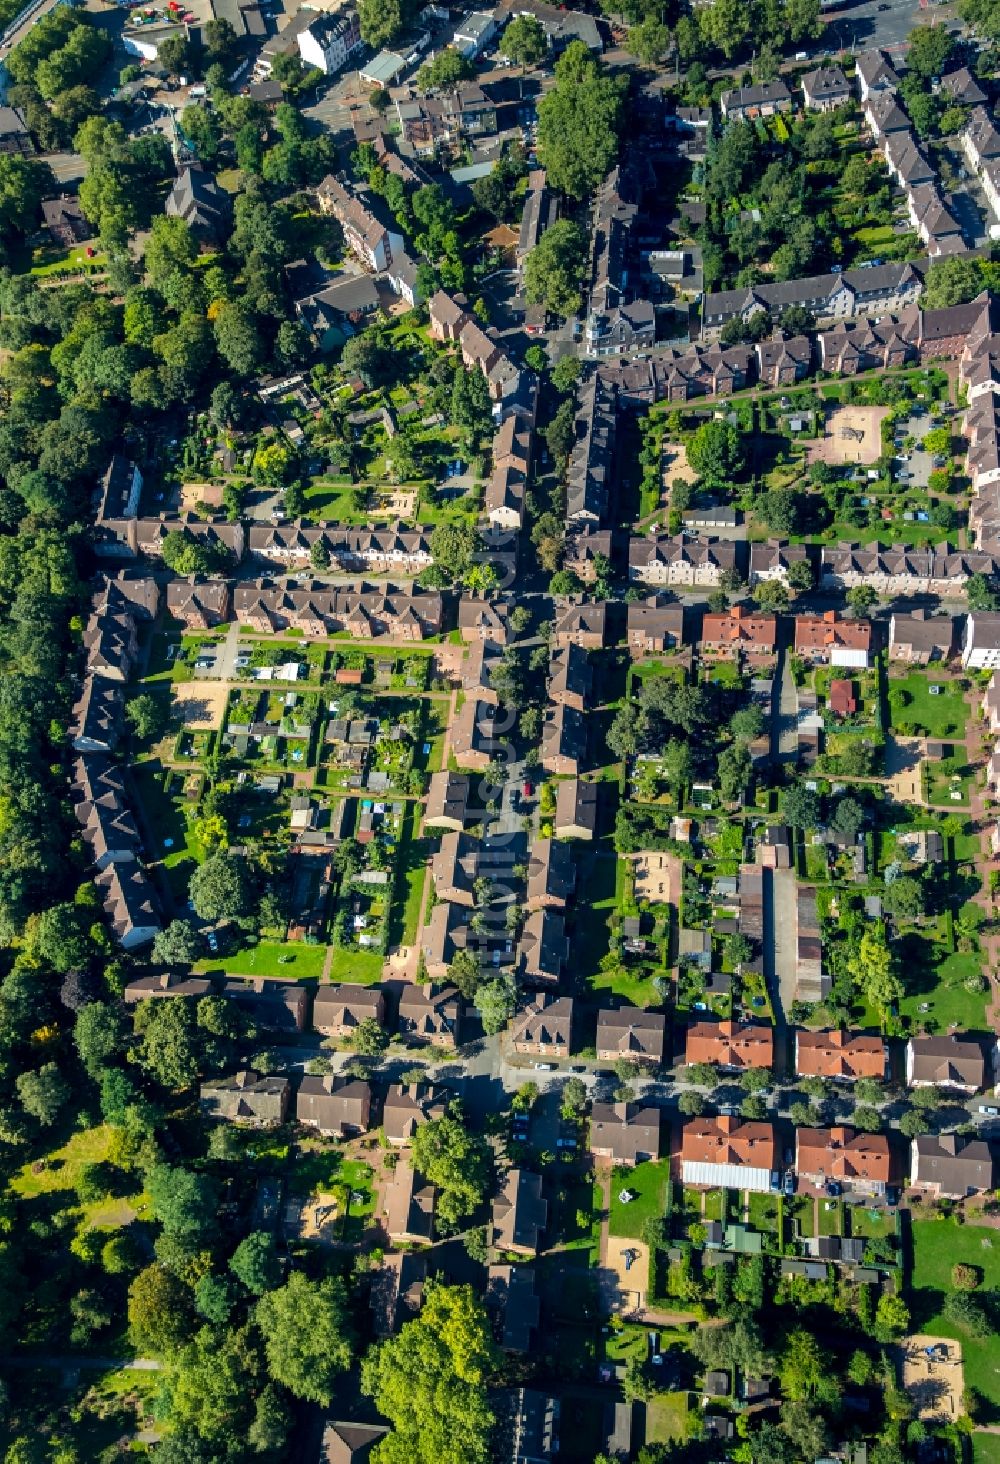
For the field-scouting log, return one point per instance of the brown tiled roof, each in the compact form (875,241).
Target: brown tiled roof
(837,1054)
(840,1153)
(731,1044)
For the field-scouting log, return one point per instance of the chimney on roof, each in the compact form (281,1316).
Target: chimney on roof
(165,981)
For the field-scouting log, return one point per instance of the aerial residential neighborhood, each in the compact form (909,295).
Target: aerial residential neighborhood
(500,732)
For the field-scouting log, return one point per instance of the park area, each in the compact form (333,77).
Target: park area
(937,1245)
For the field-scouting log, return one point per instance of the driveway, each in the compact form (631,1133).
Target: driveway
(784,718)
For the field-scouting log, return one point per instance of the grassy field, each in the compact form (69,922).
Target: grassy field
(943,716)
(953,774)
(986,1448)
(412,856)
(62,1170)
(667,1418)
(648,1182)
(287,959)
(937,1246)
(937,980)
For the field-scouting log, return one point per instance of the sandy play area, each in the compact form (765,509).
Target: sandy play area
(625,1290)
(853,435)
(933,1375)
(652,877)
(200,704)
(904,760)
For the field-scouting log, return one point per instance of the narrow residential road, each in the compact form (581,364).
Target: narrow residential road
(780,922)
(784,734)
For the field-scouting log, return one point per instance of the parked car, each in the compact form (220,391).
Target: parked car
(789,1182)
(775,1180)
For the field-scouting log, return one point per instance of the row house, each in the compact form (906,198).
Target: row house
(739,633)
(320,610)
(653,626)
(729,1153)
(564,740)
(582,624)
(584,550)
(272,1005)
(918,639)
(576,809)
(109,641)
(860,1163)
(845,1056)
(784,359)
(773,558)
(682,375)
(431,1015)
(874,74)
(395,549)
(746,103)
(198,603)
(825,89)
(119,490)
(616,322)
(947,1166)
(452,322)
(631,1034)
(102,809)
(478,665)
(543,949)
(129,903)
(570,677)
(951,1060)
(248,1099)
(544,1028)
(830,297)
(409,1105)
(368,236)
(540,211)
(512,454)
(129,538)
(850,347)
(830,640)
(625,1134)
(885,117)
(980,140)
(734,1045)
(339,1010)
(670,561)
(335,1107)
(96,720)
(447,805)
(981,641)
(589,471)
(473,741)
(899,570)
(911,169)
(551,875)
(455,868)
(480,619)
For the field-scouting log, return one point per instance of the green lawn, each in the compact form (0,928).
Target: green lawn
(648,1182)
(764,1213)
(412,855)
(289,959)
(953,774)
(985,1448)
(942,716)
(363,968)
(868,1224)
(831,1217)
(166,815)
(938,981)
(937,1245)
(61,1172)
(667,1418)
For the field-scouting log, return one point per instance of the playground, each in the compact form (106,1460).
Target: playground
(853,435)
(932,1375)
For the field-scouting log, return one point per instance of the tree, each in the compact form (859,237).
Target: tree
(565,582)
(929,49)
(875,974)
(370,1038)
(780,510)
(42,1093)
(146,715)
(566,372)
(964,1277)
(861,598)
(306,1334)
(802,1366)
(966,1311)
(848,818)
(904,898)
(444,70)
(219,888)
(553,271)
(770,595)
(735,770)
(800,574)
(445,1353)
(574,1098)
(22,186)
(560,434)
(747,724)
(691,1104)
(382,21)
(178,944)
(805,1428)
(912,1124)
(716,452)
(980,593)
(159,1315)
(183,1202)
(457,1161)
(800,807)
(495,1002)
(524,41)
(892,1318)
(649,41)
(579,120)
(238,339)
(99,1035)
(255,1263)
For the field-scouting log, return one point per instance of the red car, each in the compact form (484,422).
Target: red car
(527,789)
